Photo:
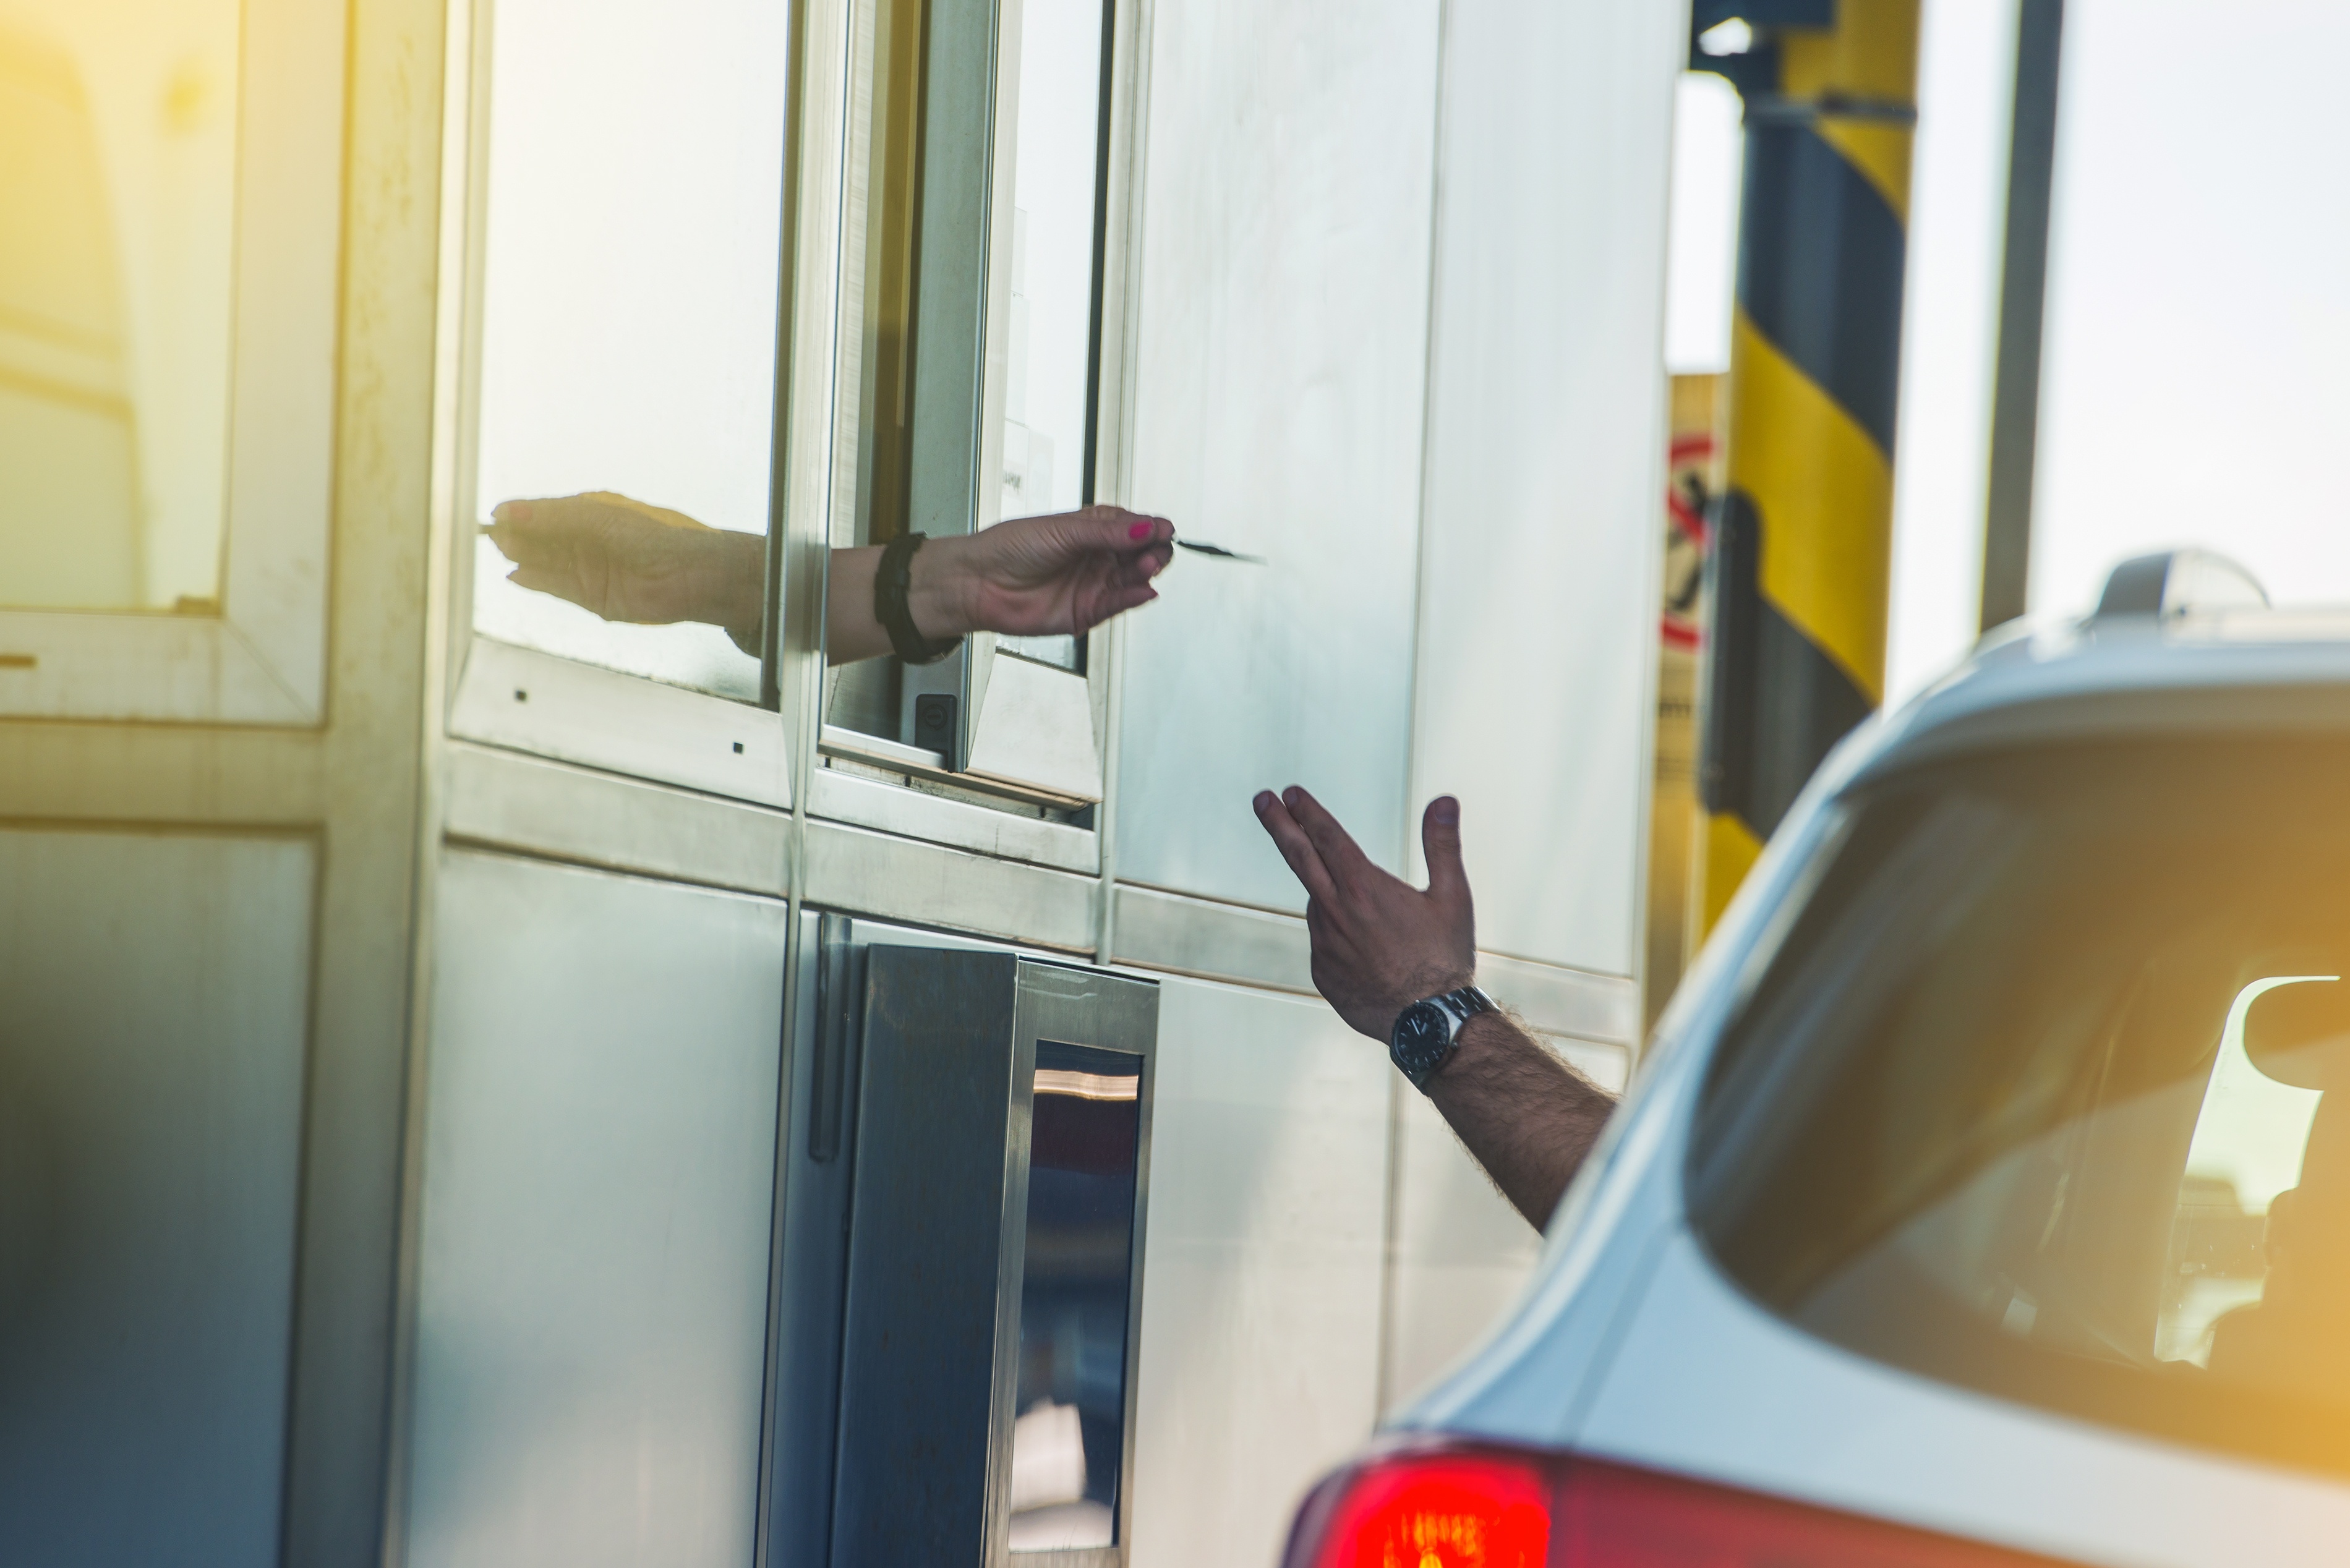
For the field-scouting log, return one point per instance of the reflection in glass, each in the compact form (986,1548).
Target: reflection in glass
(632,258)
(2246,1151)
(117,154)
(1049,337)
(1068,1438)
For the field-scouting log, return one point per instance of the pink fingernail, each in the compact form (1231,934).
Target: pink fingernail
(517,509)
(1139,531)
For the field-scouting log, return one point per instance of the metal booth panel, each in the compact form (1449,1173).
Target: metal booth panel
(1280,357)
(598,1169)
(1538,605)
(154,1006)
(1259,1353)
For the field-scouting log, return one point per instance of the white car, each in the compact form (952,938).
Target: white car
(1985,1196)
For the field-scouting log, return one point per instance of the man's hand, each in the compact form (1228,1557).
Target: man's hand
(627,561)
(1379,943)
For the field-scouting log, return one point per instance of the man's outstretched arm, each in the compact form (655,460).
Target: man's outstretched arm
(1380,944)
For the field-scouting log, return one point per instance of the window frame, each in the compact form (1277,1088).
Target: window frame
(261,659)
(527,700)
(1026,730)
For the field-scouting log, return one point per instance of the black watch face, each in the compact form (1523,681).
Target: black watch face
(1422,1035)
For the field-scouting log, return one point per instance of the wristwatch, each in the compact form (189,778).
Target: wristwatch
(1427,1033)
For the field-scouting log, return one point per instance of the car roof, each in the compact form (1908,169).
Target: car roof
(2235,669)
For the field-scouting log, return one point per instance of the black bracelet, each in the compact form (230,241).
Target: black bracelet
(891,578)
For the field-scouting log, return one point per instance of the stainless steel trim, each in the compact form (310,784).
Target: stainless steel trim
(839,742)
(1157,929)
(948,889)
(921,762)
(1085,1007)
(910,812)
(1557,1000)
(1168,931)
(510,801)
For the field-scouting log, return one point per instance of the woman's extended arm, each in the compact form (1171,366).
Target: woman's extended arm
(1034,576)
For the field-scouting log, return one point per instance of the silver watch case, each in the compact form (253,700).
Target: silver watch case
(1427,1033)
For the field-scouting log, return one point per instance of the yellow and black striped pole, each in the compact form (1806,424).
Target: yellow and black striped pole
(1802,541)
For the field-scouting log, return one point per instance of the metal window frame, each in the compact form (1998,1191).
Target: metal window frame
(262,658)
(1021,726)
(1060,1002)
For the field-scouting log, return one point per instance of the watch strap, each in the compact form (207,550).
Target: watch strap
(1465,1004)
(891,579)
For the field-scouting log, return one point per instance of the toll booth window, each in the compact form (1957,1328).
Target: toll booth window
(1068,1437)
(2046,1092)
(1045,279)
(117,198)
(631,255)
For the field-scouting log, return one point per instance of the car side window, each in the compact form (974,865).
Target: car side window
(2023,1106)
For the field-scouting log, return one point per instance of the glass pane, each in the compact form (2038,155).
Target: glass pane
(1068,1441)
(117,186)
(2048,1092)
(628,322)
(1049,339)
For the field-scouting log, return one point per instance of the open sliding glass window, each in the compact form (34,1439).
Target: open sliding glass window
(626,173)
(988,273)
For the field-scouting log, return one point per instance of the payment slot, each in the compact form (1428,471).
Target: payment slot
(993,1268)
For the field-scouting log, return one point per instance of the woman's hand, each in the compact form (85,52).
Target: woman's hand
(627,561)
(1031,576)
(1042,577)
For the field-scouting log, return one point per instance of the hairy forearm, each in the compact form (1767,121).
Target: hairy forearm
(1525,1116)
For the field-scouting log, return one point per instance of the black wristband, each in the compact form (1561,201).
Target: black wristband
(891,578)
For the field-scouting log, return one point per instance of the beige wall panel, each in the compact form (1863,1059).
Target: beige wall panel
(1545,459)
(1260,1275)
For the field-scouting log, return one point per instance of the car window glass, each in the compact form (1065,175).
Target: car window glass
(2008,1106)
(629,295)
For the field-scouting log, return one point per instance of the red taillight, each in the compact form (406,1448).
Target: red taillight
(1462,1507)
(1450,1509)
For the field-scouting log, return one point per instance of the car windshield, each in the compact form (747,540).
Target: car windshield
(2039,1092)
